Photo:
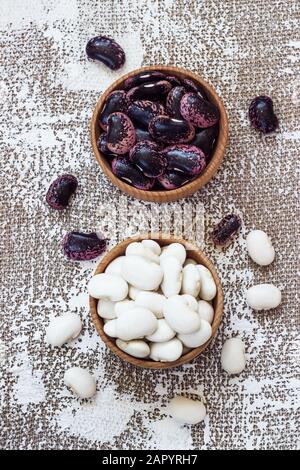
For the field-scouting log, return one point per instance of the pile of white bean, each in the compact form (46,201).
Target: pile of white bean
(157,304)
(154,301)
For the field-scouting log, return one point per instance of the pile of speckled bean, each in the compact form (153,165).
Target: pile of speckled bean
(158,131)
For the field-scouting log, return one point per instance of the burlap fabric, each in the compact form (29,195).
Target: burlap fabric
(48,91)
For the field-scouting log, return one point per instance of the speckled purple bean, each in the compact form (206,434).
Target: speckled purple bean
(185,158)
(193,87)
(166,130)
(116,101)
(143,77)
(107,51)
(173,80)
(262,116)
(102,146)
(205,139)
(142,134)
(197,111)
(226,229)
(150,91)
(120,133)
(173,101)
(142,111)
(174,179)
(129,173)
(79,246)
(60,191)
(147,157)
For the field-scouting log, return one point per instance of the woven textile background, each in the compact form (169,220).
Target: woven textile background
(48,90)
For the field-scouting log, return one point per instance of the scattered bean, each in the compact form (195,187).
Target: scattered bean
(63,329)
(187,411)
(60,191)
(233,356)
(263,297)
(106,50)
(79,246)
(80,381)
(262,116)
(260,247)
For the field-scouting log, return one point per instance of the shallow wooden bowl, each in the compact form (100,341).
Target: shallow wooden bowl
(189,188)
(192,252)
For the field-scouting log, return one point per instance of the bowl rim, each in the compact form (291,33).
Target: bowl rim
(189,188)
(162,239)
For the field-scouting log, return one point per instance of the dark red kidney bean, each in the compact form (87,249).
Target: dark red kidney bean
(60,191)
(197,111)
(262,116)
(173,80)
(225,230)
(174,179)
(186,158)
(79,246)
(173,101)
(143,77)
(147,157)
(107,51)
(116,101)
(193,87)
(142,111)
(150,91)
(120,133)
(142,134)
(102,146)
(205,139)
(129,173)
(166,130)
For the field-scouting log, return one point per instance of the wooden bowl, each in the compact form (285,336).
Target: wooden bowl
(189,188)
(192,252)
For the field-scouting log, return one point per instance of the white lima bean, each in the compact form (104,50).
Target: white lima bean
(135,348)
(108,286)
(81,382)
(205,311)
(174,249)
(141,272)
(115,266)
(199,337)
(191,281)
(163,332)
(106,309)
(187,411)
(133,292)
(124,306)
(260,248)
(172,276)
(180,316)
(152,301)
(133,324)
(153,246)
(233,358)
(191,301)
(189,261)
(110,327)
(168,351)
(138,249)
(63,329)
(263,297)
(208,288)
